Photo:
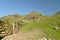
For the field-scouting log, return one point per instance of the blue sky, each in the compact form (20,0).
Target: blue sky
(47,7)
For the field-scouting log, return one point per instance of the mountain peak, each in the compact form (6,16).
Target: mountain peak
(35,14)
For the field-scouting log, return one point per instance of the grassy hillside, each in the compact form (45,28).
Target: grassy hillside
(46,27)
(50,25)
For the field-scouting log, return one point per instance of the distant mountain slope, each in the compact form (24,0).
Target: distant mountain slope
(57,13)
(35,16)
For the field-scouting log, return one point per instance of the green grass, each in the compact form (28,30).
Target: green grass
(45,26)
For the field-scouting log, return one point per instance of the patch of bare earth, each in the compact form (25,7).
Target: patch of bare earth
(35,34)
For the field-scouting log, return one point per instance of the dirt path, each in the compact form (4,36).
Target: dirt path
(29,35)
